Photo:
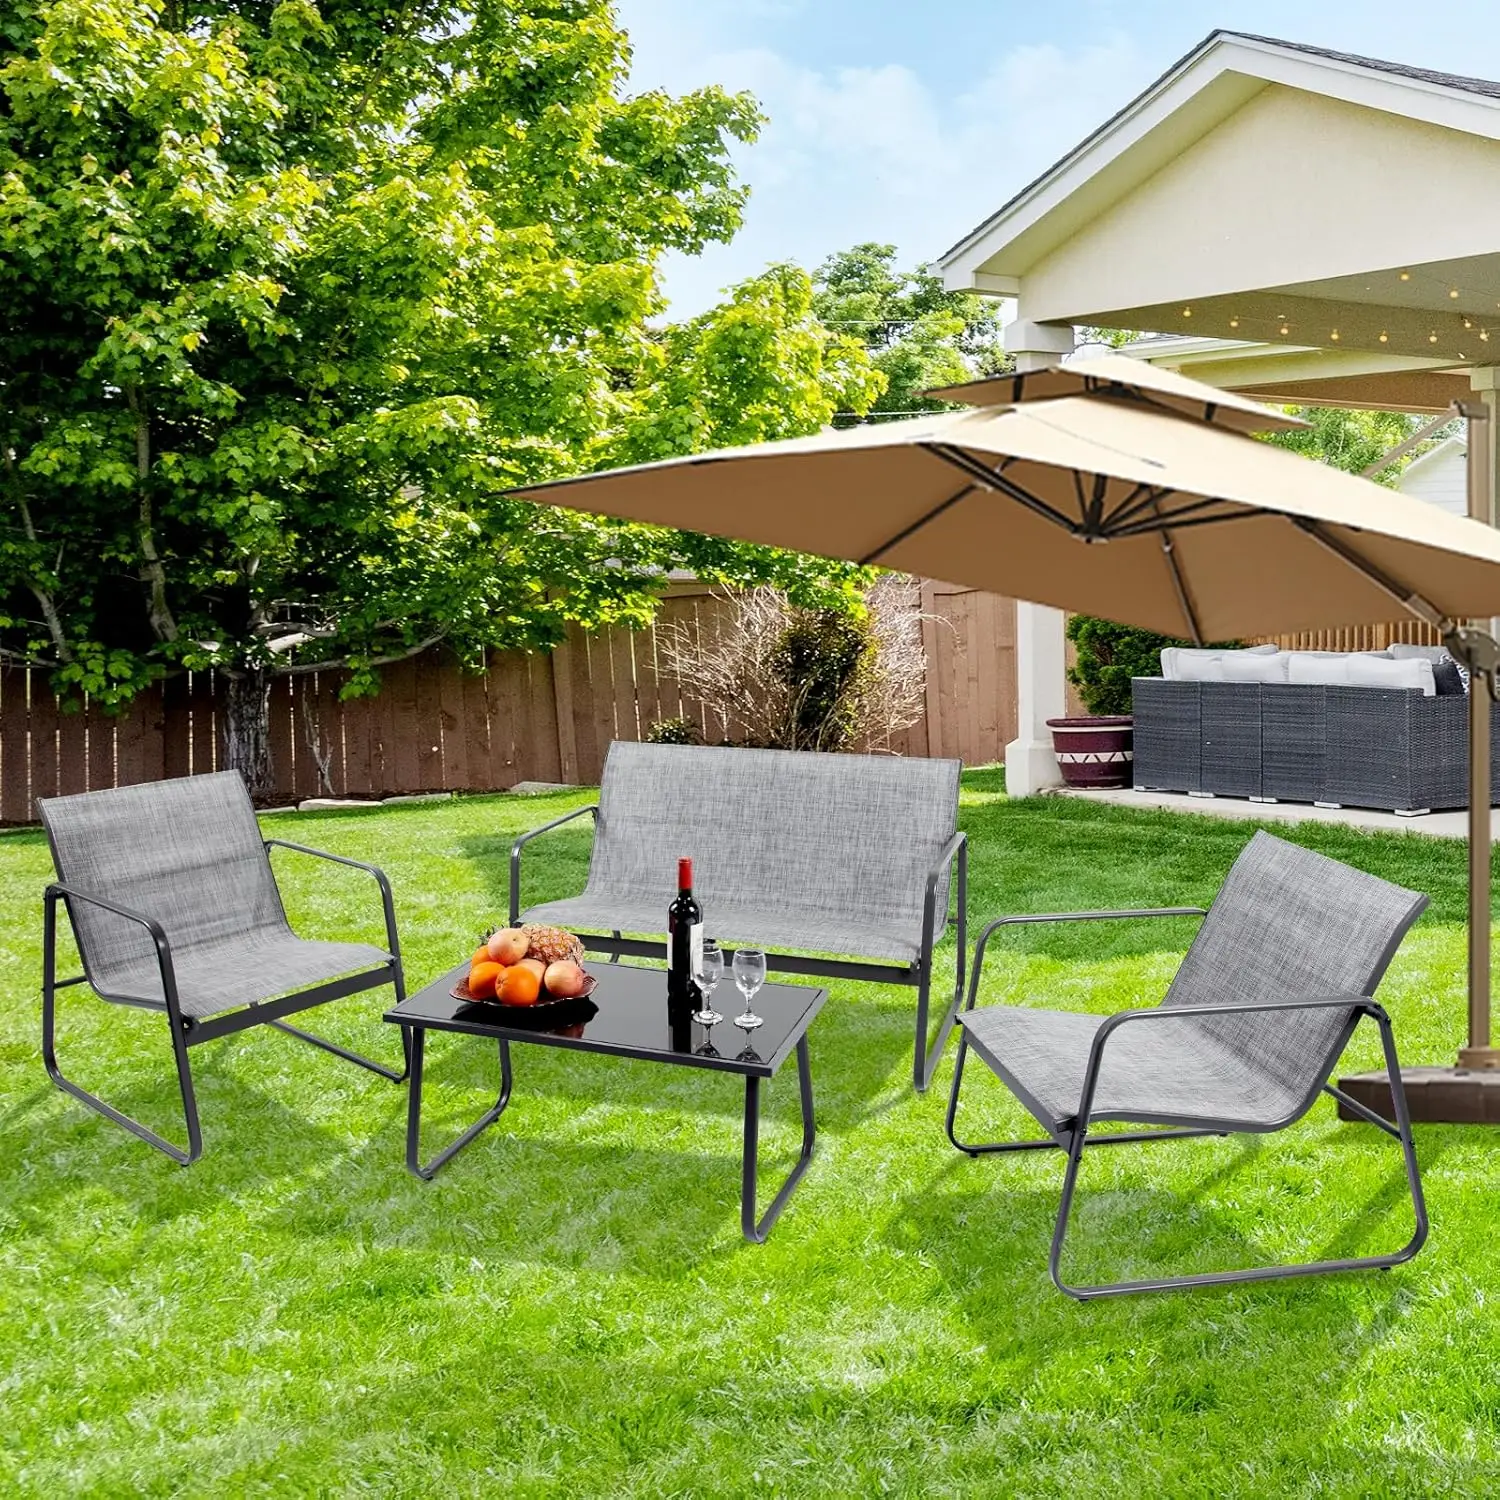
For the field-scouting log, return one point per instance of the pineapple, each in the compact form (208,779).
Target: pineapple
(551,943)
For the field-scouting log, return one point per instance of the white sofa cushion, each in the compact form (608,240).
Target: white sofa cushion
(1360,669)
(1177,662)
(1389,672)
(1236,667)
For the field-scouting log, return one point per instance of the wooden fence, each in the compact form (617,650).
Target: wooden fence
(434,727)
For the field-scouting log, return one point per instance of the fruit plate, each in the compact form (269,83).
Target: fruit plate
(544,1005)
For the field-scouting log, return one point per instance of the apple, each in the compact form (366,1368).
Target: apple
(508,946)
(564,978)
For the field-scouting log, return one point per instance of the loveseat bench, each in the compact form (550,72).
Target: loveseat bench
(820,854)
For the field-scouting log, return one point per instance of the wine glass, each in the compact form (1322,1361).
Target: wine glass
(749,975)
(707,973)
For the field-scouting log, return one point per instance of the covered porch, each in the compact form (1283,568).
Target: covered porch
(1299,225)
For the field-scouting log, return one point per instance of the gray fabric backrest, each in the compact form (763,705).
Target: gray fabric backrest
(1291,923)
(187,852)
(847,835)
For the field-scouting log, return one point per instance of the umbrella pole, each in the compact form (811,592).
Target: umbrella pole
(1479,1053)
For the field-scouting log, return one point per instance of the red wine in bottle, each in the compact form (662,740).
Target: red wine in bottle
(684,949)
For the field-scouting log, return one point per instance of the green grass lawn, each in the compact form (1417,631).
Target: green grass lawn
(569,1308)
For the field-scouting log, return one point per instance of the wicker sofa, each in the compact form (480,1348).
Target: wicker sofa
(1392,749)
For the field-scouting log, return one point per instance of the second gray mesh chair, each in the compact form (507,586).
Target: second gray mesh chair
(175,908)
(1281,972)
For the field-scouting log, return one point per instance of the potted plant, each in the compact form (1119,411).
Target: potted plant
(1096,750)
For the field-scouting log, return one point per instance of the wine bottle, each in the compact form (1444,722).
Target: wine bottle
(684,949)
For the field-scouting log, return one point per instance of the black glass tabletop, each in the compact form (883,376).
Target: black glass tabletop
(626,1014)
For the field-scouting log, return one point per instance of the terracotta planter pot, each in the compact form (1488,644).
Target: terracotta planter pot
(1094,752)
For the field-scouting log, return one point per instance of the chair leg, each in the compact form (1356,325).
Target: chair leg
(55,1073)
(1258,1273)
(925,1058)
(358,1059)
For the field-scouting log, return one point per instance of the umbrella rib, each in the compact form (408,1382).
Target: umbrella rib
(1187,515)
(993,479)
(921,521)
(1409,599)
(1179,583)
(1140,499)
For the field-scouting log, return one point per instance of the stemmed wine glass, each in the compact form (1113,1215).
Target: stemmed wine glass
(749,975)
(707,973)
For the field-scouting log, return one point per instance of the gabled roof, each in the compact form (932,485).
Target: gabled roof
(1202,88)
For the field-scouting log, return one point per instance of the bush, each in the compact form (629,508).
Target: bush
(1108,655)
(674,732)
(796,678)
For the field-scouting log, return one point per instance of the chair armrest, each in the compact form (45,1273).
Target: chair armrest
(956,848)
(60,891)
(387,900)
(1069,916)
(1362,1003)
(526,838)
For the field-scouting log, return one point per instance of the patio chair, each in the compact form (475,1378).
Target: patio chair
(174,907)
(1281,972)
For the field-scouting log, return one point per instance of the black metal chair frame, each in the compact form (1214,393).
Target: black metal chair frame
(926,1055)
(1072,1135)
(189,1031)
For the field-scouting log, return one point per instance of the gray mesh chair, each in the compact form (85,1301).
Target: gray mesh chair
(1280,974)
(174,907)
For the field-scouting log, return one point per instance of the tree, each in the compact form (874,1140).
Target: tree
(292,294)
(1350,440)
(918,335)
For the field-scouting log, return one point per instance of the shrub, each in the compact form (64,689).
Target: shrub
(1108,655)
(674,732)
(796,678)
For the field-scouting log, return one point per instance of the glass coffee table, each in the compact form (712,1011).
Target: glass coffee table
(626,1016)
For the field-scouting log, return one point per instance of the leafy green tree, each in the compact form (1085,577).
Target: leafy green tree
(918,335)
(1351,440)
(292,293)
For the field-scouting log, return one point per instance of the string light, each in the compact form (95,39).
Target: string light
(1453,293)
(1484,335)
(1187,312)
(1432,338)
(1234,322)
(1334,335)
(1468,323)
(1385,338)
(1406,276)
(1285,329)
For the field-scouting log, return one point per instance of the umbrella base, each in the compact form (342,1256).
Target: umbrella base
(1435,1096)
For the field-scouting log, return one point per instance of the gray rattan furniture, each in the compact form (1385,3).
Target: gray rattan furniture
(1387,748)
(848,854)
(174,908)
(1278,977)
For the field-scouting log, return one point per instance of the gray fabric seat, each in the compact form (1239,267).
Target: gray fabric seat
(827,854)
(818,932)
(1284,966)
(213,977)
(174,906)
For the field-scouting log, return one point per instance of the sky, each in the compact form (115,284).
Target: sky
(910,123)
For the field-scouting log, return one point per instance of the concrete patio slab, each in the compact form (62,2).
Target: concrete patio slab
(1445,825)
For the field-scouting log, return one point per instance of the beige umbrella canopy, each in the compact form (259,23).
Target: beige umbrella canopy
(1088,502)
(1127,379)
(1128,492)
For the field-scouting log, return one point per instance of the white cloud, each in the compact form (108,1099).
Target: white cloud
(875,152)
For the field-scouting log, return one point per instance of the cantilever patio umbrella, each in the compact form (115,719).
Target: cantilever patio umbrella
(1110,487)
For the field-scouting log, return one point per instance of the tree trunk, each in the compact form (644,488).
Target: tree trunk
(246,725)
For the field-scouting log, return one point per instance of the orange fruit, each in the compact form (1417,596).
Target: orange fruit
(483,978)
(521,986)
(481,955)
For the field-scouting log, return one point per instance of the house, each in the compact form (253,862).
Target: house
(1298,224)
